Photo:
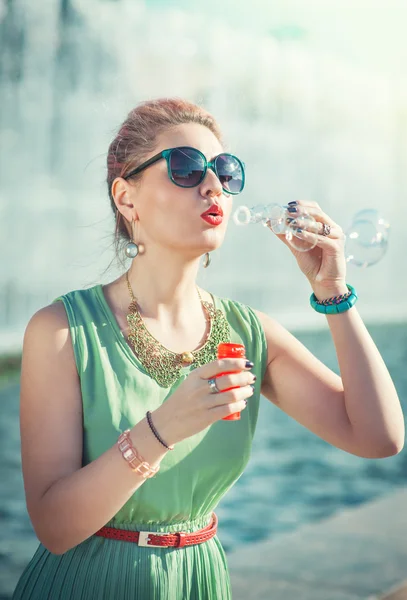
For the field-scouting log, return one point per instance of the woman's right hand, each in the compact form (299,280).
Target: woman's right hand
(192,407)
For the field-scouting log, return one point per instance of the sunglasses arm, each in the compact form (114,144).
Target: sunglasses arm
(144,165)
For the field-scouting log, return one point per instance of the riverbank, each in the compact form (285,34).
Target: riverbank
(358,554)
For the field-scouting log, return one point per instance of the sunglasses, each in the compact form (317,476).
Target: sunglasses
(187,167)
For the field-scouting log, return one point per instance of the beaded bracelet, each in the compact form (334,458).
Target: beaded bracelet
(336,304)
(334,299)
(131,455)
(154,430)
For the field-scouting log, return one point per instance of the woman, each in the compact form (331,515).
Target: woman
(139,354)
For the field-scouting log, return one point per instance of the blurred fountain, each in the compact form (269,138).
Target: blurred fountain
(307,125)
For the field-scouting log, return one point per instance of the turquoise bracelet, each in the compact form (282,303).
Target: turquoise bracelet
(338,306)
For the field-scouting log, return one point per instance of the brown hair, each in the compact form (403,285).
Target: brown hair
(136,138)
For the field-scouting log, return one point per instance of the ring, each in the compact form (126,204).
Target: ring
(326,229)
(213,386)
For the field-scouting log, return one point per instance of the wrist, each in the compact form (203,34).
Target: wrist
(146,444)
(164,426)
(323,292)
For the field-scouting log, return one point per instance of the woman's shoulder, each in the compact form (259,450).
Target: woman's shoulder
(77,293)
(49,327)
(54,315)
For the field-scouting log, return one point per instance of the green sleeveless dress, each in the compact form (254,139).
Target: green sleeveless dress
(116,393)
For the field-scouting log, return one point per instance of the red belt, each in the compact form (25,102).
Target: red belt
(177,539)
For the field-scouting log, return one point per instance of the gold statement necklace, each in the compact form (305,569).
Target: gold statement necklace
(162,364)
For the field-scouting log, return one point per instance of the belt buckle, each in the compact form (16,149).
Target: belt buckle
(144,538)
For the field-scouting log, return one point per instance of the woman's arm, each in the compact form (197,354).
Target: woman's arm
(358,412)
(66,502)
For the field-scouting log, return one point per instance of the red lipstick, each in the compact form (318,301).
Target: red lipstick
(214,215)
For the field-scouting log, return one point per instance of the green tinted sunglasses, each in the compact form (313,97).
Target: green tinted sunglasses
(187,167)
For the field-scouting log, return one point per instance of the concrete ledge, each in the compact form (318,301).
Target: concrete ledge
(400,593)
(358,554)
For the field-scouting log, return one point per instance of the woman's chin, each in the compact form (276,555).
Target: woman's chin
(211,248)
(214,239)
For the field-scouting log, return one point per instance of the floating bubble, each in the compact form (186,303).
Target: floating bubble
(366,238)
(277,215)
(302,233)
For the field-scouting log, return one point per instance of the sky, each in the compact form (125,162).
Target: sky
(369,33)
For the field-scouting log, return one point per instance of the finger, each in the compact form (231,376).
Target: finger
(335,231)
(232,398)
(224,382)
(219,412)
(312,209)
(314,239)
(215,367)
(316,227)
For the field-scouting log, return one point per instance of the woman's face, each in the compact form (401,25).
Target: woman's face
(170,216)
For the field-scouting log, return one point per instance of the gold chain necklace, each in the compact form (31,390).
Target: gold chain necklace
(162,364)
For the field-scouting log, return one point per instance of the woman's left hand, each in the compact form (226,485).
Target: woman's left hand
(324,265)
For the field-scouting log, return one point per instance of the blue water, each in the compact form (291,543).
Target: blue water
(293,477)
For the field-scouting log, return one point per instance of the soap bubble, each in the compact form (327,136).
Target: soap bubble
(366,238)
(306,239)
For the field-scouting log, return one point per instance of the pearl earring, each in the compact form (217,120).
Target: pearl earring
(132,249)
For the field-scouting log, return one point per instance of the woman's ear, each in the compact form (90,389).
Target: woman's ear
(123,198)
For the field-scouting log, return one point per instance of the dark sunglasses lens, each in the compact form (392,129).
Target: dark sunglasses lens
(230,172)
(187,167)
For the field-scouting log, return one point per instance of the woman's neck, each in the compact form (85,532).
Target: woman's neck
(166,293)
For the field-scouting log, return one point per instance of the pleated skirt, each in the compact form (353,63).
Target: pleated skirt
(106,569)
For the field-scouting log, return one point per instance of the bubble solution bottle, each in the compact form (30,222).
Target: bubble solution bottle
(230,350)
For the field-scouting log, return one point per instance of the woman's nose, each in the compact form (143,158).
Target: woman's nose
(211,186)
